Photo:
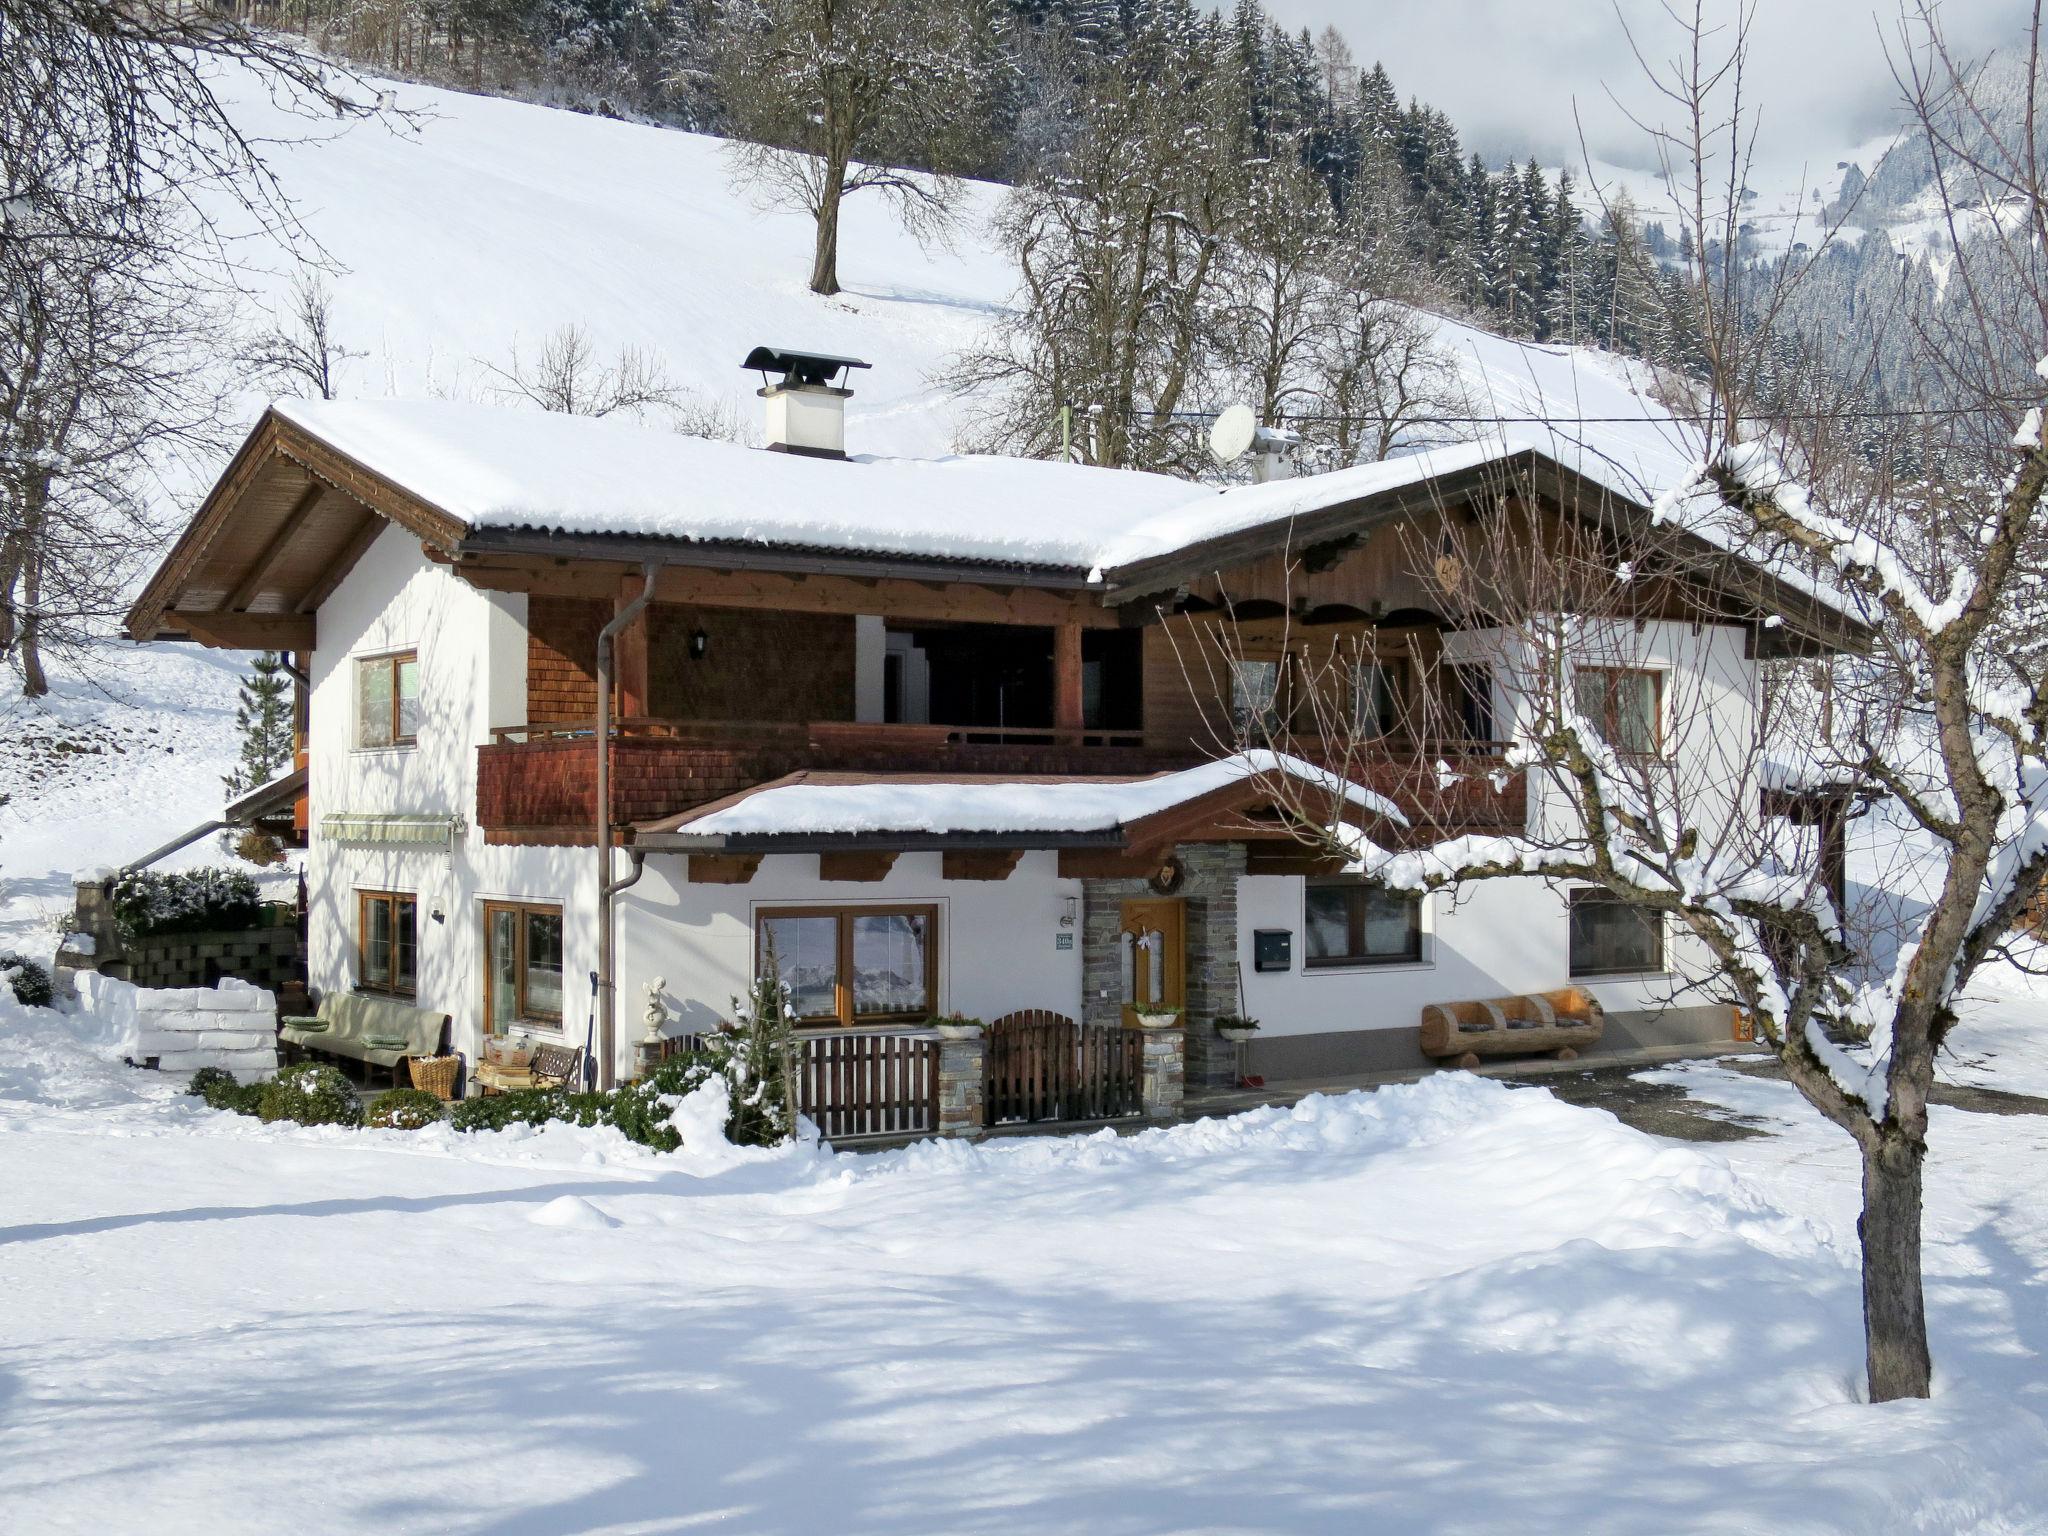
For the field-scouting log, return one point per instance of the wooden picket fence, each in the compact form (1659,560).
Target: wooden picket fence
(856,1085)
(1039,1065)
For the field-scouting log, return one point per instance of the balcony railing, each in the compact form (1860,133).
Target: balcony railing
(537,783)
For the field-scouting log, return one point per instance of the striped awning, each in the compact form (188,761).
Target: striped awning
(387,827)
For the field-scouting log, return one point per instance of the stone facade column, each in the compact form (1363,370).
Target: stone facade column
(962,1110)
(1163,1075)
(1212,984)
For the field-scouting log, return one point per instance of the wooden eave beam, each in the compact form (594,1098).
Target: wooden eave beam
(701,586)
(979,863)
(246,631)
(723,868)
(863,868)
(337,571)
(266,562)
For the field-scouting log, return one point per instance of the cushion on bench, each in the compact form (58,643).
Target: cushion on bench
(377,1030)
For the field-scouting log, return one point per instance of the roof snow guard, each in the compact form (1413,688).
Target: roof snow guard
(814,368)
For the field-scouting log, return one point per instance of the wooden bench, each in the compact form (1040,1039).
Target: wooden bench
(1565,1021)
(377,1031)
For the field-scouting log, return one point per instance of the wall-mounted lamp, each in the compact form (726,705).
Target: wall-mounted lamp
(699,644)
(1070,911)
(438,915)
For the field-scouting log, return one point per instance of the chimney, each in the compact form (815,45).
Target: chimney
(1273,453)
(807,405)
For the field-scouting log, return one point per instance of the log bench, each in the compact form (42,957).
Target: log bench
(1564,1022)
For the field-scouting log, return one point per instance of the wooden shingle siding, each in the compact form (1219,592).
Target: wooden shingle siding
(758,664)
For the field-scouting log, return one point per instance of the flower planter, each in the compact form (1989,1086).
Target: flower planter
(957,1031)
(1158,1021)
(1237,1036)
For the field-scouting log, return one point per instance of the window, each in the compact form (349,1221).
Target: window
(1350,923)
(388,700)
(1626,705)
(522,965)
(1376,691)
(387,943)
(1255,697)
(1472,701)
(852,965)
(1614,937)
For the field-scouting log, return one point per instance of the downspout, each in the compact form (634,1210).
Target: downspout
(607,1044)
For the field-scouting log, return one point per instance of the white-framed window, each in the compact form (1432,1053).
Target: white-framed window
(387,700)
(1626,706)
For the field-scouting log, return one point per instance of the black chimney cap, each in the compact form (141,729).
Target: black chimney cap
(800,367)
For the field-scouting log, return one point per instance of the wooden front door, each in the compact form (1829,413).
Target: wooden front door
(1152,955)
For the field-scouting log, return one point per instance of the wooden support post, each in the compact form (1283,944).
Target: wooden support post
(631,655)
(1066,679)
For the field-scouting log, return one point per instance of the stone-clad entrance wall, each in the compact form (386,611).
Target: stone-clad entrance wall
(1210,893)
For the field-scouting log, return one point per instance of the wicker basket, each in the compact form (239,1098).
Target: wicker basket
(436,1074)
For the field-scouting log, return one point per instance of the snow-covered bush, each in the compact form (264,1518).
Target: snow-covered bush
(185,901)
(28,980)
(218,1087)
(312,1094)
(405,1109)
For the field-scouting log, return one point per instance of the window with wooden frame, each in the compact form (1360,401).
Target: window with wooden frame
(387,700)
(1350,923)
(1612,936)
(387,943)
(522,965)
(1625,704)
(1379,692)
(852,965)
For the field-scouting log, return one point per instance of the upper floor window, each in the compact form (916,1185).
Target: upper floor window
(387,942)
(1347,922)
(1255,698)
(1472,701)
(388,700)
(1376,696)
(1626,706)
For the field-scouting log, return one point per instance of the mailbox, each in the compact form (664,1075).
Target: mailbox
(1272,949)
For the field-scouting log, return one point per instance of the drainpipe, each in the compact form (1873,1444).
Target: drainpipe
(607,1044)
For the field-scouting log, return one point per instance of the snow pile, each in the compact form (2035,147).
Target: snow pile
(181,1029)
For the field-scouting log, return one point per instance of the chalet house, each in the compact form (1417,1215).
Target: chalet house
(945,732)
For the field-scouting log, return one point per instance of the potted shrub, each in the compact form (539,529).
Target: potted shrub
(1158,1015)
(954,1026)
(1235,1026)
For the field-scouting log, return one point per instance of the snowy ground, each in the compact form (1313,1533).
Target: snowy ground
(1454,1307)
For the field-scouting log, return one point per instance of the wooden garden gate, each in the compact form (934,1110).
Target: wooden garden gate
(1039,1065)
(855,1085)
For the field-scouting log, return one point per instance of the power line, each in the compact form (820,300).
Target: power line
(1899,414)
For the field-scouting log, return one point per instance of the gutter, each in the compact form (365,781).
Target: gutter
(871,842)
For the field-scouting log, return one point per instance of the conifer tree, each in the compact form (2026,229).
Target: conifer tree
(263,714)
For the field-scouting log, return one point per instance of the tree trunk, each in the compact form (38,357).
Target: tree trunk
(33,683)
(1894,1309)
(825,263)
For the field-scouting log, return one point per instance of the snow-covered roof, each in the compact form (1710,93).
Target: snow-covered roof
(918,806)
(501,467)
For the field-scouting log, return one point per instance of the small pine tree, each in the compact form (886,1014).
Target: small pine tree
(263,714)
(758,1062)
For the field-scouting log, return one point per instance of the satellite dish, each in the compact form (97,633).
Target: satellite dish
(1231,434)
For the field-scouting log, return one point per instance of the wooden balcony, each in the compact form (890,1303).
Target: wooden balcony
(537,784)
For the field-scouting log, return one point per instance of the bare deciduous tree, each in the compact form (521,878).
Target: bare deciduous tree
(303,352)
(1668,775)
(834,97)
